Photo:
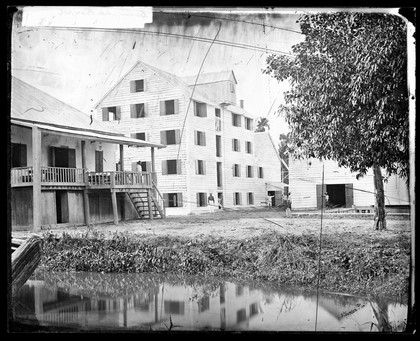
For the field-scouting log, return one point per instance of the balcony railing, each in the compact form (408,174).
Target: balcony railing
(62,176)
(118,179)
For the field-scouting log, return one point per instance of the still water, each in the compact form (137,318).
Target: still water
(95,301)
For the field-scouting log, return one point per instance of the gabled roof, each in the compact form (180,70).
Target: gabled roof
(169,78)
(32,107)
(210,77)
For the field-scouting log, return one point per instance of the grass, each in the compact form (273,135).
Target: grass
(350,264)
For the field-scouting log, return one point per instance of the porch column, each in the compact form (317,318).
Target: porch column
(114,206)
(122,157)
(154,176)
(86,208)
(36,179)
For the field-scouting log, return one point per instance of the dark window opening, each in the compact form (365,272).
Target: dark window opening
(201,199)
(137,110)
(139,136)
(19,155)
(137,86)
(200,109)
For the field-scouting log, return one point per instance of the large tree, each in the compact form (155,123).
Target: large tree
(348,97)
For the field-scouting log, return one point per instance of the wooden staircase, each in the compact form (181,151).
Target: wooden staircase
(141,204)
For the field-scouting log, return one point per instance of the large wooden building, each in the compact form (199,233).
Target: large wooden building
(211,144)
(63,167)
(344,190)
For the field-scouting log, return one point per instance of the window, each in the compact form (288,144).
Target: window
(199,138)
(236,146)
(236,120)
(260,172)
(169,107)
(232,87)
(111,114)
(137,86)
(250,198)
(137,110)
(249,171)
(172,199)
(200,109)
(139,136)
(19,156)
(200,167)
(253,309)
(218,146)
(201,199)
(248,147)
(237,199)
(171,167)
(169,137)
(236,170)
(249,123)
(218,119)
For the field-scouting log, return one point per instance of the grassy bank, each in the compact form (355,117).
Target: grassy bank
(353,264)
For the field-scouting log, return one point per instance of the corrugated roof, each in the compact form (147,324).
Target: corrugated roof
(210,77)
(32,106)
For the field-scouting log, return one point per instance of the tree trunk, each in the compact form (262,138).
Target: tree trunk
(379,219)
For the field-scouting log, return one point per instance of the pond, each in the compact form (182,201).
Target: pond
(151,302)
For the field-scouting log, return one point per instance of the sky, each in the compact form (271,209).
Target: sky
(78,66)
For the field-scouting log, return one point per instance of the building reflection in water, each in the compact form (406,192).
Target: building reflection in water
(110,301)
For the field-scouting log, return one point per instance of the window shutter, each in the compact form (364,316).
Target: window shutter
(163,137)
(239,170)
(180,203)
(145,83)
(196,166)
(177,136)
(105,114)
(234,198)
(166,199)
(204,139)
(146,109)
(134,166)
(132,86)
(162,108)
(164,167)
(204,110)
(233,144)
(195,108)
(118,113)
(178,166)
(72,158)
(198,199)
(133,113)
(195,136)
(176,106)
(204,167)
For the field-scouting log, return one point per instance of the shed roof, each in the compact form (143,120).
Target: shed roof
(32,106)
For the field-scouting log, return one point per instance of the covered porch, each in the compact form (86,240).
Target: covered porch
(41,177)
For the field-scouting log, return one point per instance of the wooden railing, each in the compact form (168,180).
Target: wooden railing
(62,175)
(21,176)
(118,179)
(158,198)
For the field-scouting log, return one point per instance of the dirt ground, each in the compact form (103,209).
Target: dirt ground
(246,223)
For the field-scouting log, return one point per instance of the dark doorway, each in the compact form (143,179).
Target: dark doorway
(273,199)
(337,195)
(63,157)
(62,207)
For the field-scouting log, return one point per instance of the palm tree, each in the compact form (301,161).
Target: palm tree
(262,124)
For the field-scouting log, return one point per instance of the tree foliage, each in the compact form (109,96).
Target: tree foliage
(349,98)
(262,125)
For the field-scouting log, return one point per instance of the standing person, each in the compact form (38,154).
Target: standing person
(288,206)
(139,169)
(210,201)
(270,200)
(220,200)
(327,200)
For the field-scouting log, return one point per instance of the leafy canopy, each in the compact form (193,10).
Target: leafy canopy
(348,99)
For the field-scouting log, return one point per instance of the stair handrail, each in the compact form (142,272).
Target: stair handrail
(159,196)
